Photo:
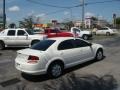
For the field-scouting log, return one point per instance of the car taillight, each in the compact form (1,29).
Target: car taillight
(33,59)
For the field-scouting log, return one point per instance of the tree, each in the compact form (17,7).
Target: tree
(118,20)
(94,18)
(68,25)
(27,23)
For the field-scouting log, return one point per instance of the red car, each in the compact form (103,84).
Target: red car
(57,33)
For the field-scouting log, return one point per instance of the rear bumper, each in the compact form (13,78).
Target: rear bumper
(30,69)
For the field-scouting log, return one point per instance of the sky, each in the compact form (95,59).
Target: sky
(47,10)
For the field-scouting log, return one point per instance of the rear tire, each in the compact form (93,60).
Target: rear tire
(2,45)
(55,70)
(99,55)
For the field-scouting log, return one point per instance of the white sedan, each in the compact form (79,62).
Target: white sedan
(105,31)
(53,55)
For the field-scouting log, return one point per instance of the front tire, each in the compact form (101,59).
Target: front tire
(55,70)
(2,45)
(99,55)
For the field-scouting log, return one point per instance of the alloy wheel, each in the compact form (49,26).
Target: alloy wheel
(56,70)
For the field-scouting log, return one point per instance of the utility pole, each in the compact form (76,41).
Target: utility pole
(83,13)
(4,15)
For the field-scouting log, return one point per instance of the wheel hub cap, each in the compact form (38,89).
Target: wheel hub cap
(56,70)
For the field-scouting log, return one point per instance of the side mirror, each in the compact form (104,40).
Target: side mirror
(25,34)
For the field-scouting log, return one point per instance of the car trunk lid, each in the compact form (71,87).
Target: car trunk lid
(29,55)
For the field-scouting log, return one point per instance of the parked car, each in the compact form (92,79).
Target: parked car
(105,31)
(53,55)
(19,38)
(56,33)
(82,34)
(38,31)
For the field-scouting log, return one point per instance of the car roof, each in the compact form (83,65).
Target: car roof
(15,29)
(62,38)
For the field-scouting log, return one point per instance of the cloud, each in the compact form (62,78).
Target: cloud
(100,17)
(8,19)
(31,13)
(40,15)
(40,18)
(9,1)
(89,14)
(66,13)
(81,1)
(14,9)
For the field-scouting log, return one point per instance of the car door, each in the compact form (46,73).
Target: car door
(50,33)
(105,30)
(10,38)
(99,31)
(67,51)
(85,50)
(22,38)
(76,32)
(58,33)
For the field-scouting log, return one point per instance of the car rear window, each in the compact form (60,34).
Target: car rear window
(43,45)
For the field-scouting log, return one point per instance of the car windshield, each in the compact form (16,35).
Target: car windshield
(30,32)
(43,45)
(38,30)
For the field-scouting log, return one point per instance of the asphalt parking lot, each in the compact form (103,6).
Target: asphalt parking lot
(93,75)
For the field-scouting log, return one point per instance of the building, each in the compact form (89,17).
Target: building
(91,22)
(78,23)
(88,22)
(102,23)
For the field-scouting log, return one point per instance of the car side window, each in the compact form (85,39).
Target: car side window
(104,28)
(11,33)
(53,31)
(76,31)
(21,33)
(65,45)
(80,43)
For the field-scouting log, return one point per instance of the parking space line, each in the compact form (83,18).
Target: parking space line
(10,82)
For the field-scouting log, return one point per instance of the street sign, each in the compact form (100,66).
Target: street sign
(114,15)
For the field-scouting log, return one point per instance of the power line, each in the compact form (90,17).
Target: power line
(70,7)
(49,5)
(107,1)
(56,6)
